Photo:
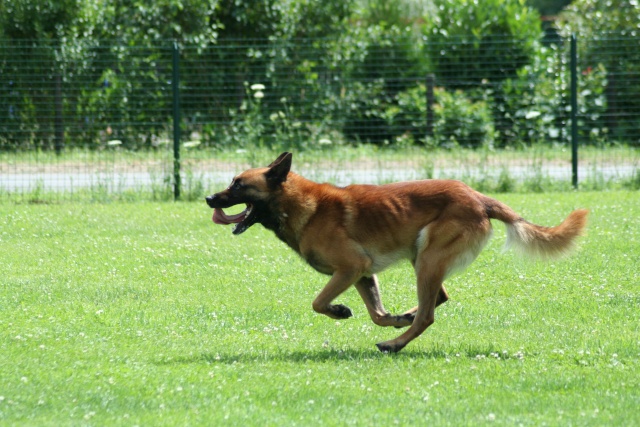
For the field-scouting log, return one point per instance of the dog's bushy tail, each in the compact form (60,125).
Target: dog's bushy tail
(535,240)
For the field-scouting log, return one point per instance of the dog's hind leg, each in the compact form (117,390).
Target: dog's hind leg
(448,251)
(411,314)
(431,269)
(428,288)
(369,290)
(443,296)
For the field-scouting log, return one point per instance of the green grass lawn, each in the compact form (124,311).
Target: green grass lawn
(149,314)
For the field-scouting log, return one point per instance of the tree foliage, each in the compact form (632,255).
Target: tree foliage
(355,68)
(47,19)
(479,41)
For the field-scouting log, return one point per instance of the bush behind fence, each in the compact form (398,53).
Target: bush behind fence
(388,90)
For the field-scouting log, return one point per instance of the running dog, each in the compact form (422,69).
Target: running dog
(354,232)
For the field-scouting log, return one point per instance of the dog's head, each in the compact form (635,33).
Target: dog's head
(255,188)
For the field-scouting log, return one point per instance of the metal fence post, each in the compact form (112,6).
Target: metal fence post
(430,82)
(58,126)
(175,82)
(574,111)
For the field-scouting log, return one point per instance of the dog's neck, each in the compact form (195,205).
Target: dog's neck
(288,216)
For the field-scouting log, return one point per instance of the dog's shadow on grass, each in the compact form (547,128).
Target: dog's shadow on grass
(298,356)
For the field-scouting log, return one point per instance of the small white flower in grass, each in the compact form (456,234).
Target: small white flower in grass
(258,95)
(257,87)
(114,143)
(324,141)
(532,114)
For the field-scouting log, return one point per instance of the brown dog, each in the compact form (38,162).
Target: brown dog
(352,233)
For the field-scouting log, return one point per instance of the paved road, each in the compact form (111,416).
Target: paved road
(59,181)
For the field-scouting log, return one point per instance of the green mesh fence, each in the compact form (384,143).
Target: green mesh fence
(99,118)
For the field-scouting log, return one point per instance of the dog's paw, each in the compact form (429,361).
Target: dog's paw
(341,311)
(405,319)
(385,347)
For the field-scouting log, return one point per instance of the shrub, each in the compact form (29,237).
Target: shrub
(372,88)
(458,120)
(608,42)
(535,102)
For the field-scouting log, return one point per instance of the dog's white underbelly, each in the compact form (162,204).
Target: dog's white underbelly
(381,261)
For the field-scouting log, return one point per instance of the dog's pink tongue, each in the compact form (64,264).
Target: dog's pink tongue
(219,217)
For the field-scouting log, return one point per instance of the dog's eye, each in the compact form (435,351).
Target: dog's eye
(236,185)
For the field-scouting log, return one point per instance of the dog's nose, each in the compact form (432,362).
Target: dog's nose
(210,200)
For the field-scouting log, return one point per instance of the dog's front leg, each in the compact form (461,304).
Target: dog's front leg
(339,282)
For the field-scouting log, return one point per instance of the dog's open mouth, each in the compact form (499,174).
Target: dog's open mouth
(243,219)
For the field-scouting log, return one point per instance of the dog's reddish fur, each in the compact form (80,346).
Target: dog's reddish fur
(354,232)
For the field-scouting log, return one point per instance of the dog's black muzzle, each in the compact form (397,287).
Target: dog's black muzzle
(222,200)
(213,201)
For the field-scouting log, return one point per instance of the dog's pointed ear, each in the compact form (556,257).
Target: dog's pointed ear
(279,169)
(279,159)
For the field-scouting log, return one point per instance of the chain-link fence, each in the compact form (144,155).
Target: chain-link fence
(164,120)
